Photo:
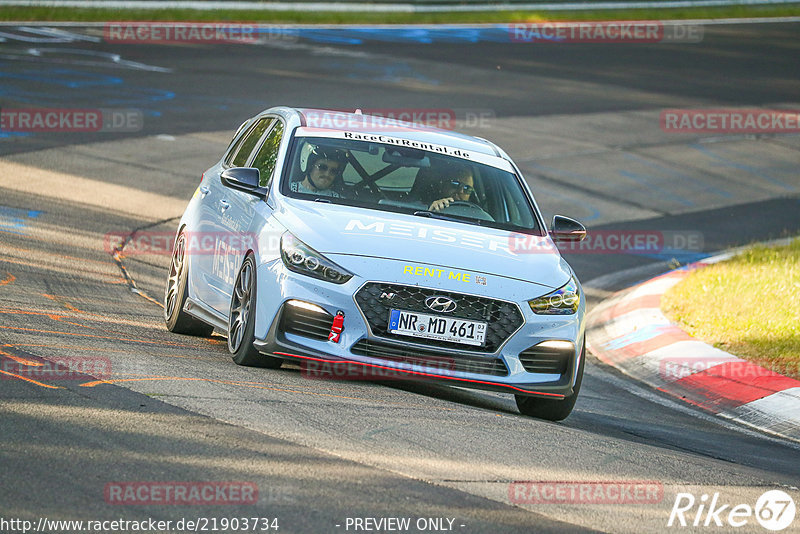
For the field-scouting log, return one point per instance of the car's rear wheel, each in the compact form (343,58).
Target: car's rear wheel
(242,320)
(550,409)
(175,295)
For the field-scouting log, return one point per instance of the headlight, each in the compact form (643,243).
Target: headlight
(300,258)
(562,301)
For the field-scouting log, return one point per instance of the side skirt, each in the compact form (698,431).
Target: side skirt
(198,310)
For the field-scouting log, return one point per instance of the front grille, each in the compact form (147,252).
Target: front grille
(548,360)
(503,318)
(307,323)
(428,358)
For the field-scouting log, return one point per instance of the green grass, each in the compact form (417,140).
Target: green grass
(748,306)
(285,17)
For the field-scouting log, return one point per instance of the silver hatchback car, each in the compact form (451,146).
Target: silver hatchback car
(342,240)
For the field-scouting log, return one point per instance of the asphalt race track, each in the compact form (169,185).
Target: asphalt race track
(582,121)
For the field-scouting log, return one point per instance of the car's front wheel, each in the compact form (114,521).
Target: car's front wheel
(550,409)
(175,295)
(242,319)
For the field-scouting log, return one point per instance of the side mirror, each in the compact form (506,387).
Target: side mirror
(242,179)
(563,229)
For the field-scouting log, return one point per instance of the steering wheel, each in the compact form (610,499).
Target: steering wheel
(468,209)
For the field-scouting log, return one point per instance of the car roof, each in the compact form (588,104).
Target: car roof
(339,120)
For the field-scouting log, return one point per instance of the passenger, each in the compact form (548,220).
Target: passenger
(323,173)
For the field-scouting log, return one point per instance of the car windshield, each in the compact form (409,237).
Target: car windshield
(419,182)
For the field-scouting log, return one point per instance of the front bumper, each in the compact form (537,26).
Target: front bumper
(513,367)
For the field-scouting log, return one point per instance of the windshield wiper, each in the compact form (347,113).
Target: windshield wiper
(434,215)
(476,222)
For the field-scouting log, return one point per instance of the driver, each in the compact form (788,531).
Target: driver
(323,173)
(457,184)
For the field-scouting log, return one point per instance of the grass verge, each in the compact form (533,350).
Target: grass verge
(748,306)
(10,13)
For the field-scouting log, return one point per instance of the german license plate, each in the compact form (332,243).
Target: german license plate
(408,323)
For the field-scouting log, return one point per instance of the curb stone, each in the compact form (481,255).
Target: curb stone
(628,331)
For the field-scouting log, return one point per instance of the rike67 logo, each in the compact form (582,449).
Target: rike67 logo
(774,510)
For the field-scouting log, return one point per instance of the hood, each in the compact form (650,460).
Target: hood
(347,230)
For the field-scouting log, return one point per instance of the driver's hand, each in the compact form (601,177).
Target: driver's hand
(442,203)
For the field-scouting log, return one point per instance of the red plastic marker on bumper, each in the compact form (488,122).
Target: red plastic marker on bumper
(336,328)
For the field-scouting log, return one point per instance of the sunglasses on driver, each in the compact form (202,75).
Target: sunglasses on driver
(461,187)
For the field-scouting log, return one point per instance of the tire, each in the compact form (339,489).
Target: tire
(242,319)
(550,409)
(175,295)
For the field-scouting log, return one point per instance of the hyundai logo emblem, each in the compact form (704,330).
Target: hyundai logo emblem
(440,304)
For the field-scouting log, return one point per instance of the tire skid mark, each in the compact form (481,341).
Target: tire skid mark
(84,272)
(254,385)
(67,305)
(18,359)
(48,236)
(118,254)
(95,336)
(89,348)
(55,361)
(72,308)
(58,315)
(667,167)
(31,380)
(84,299)
(13,311)
(21,361)
(53,316)
(549,174)
(762,172)
(27,252)
(61,317)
